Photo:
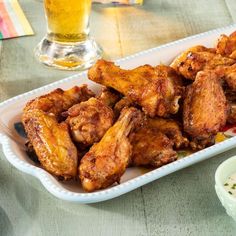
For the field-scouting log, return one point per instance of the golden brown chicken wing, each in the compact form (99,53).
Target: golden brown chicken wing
(59,100)
(50,139)
(171,128)
(199,58)
(156,89)
(107,160)
(226,45)
(151,148)
(90,120)
(153,143)
(52,144)
(205,109)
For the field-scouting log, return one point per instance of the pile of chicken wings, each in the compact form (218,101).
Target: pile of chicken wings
(141,117)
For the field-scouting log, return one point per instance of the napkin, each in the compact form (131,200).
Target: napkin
(13,22)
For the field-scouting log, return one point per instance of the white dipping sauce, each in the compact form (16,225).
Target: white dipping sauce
(230,185)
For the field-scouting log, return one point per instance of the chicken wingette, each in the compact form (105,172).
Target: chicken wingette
(50,139)
(154,142)
(205,109)
(199,58)
(156,89)
(52,144)
(151,148)
(106,161)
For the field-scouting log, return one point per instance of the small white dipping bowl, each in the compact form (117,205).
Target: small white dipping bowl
(226,169)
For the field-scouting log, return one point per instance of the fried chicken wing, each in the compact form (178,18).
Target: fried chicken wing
(205,109)
(226,45)
(107,160)
(156,89)
(153,143)
(59,100)
(151,148)
(199,58)
(90,120)
(52,144)
(171,128)
(51,139)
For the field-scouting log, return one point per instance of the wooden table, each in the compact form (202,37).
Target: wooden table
(183,203)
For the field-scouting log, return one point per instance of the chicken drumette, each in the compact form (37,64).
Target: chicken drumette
(156,89)
(90,120)
(107,160)
(205,109)
(49,138)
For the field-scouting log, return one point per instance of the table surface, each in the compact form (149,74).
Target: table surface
(183,203)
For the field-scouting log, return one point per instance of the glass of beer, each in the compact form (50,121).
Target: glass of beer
(67,44)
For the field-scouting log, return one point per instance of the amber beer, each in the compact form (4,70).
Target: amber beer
(67,44)
(68,20)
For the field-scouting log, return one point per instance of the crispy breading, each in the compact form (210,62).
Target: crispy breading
(59,100)
(151,148)
(171,128)
(52,144)
(90,120)
(205,109)
(199,58)
(50,139)
(156,89)
(106,161)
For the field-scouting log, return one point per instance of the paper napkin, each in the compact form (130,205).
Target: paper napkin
(13,22)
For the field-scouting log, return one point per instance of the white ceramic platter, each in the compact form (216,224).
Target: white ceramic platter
(13,143)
